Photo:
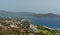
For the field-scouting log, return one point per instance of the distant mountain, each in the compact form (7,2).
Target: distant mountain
(44,15)
(6,13)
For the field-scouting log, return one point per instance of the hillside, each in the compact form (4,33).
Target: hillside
(18,26)
(44,15)
(6,13)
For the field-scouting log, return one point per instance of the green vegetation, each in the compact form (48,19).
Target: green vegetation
(1,33)
(46,31)
(43,30)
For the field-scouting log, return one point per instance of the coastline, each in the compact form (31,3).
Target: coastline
(52,28)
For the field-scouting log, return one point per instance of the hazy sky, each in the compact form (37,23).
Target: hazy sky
(38,6)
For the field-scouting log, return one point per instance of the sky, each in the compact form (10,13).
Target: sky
(35,6)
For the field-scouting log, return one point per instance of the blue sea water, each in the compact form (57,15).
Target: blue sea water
(49,22)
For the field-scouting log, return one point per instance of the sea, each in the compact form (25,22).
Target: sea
(44,21)
(49,22)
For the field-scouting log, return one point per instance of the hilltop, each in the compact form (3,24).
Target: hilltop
(6,13)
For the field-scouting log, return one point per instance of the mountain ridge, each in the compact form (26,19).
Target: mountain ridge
(6,13)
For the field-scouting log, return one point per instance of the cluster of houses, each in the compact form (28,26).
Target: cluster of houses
(20,27)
